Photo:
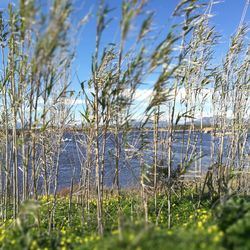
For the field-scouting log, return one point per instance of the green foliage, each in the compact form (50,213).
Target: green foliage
(139,237)
(226,228)
(234,219)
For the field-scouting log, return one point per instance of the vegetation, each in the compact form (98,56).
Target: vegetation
(222,227)
(184,195)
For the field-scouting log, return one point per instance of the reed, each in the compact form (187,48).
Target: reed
(37,49)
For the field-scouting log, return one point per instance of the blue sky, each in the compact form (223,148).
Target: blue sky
(226,19)
(227,16)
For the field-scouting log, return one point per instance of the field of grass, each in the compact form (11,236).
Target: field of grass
(209,227)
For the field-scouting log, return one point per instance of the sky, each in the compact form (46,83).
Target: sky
(227,15)
(226,19)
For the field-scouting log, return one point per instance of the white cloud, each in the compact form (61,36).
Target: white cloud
(202,98)
(143,95)
(73,101)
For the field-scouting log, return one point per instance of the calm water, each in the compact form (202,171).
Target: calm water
(73,155)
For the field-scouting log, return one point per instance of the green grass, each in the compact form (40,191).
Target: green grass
(222,227)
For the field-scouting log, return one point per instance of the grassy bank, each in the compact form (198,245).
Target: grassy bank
(210,226)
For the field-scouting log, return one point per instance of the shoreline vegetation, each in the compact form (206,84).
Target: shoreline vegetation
(179,129)
(41,100)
